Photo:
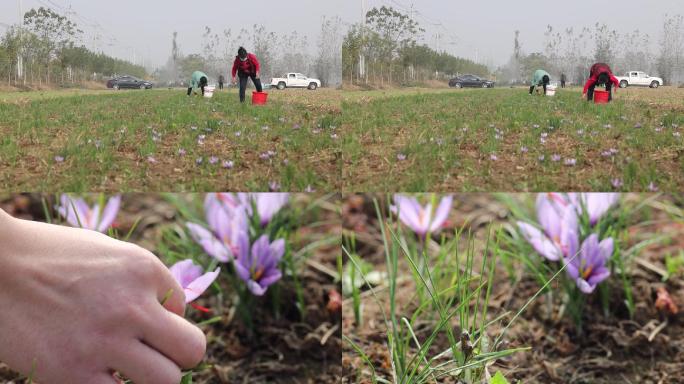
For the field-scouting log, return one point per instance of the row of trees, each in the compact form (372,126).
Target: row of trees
(573,51)
(278,54)
(45,50)
(385,50)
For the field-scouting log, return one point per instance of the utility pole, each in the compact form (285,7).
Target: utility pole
(20,56)
(362,57)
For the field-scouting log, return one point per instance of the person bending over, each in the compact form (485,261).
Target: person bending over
(541,78)
(78,305)
(198,80)
(600,74)
(246,66)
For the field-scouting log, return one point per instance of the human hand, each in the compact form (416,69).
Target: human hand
(234,80)
(78,305)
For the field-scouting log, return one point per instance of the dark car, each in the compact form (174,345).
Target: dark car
(470,81)
(129,82)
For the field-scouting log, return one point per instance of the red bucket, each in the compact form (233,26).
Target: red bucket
(259,98)
(601,97)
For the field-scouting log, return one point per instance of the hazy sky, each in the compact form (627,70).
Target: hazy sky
(485,28)
(143,28)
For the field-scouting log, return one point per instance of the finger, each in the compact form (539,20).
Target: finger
(143,365)
(170,293)
(104,378)
(176,338)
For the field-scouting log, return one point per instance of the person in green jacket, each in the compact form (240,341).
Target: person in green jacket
(199,80)
(540,78)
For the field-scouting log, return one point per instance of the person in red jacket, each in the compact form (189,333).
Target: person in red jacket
(600,74)
(246,66)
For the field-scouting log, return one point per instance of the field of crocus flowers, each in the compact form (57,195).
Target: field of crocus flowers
(259,273)
(506,140)
(163,140)
(513,288)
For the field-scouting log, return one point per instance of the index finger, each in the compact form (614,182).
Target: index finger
(169,292)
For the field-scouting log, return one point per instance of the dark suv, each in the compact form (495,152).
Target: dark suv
(129,82)
(470,81)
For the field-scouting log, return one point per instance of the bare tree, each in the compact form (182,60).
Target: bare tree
(329,61)
(671,63)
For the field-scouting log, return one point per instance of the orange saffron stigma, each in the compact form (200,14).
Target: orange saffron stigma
(200,308)
(256,276)
(587,272)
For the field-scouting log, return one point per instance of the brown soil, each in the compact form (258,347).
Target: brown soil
(648,348)
(288,349)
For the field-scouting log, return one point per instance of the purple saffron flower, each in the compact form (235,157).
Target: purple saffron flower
(419,218)
(617,183)
(493,157)
(524,149)
(267,204)
(227,222)
(596,204)
(199,161)
(542,157)
(556,157)
(78,214)
(228,164)
(589,267)
(652,187)
(182,152)
(59,159)
(274,186)
(213,160)
(570,162)
(559,236)
(189,276)
(259,267)
(151,160)
(401,157)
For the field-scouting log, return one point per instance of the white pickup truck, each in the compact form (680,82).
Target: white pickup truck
(637,78)
(295,80)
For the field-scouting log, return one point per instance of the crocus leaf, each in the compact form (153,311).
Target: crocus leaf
(498,379)
(187,379)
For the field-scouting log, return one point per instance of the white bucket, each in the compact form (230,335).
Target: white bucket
(209,91)
(551,90)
